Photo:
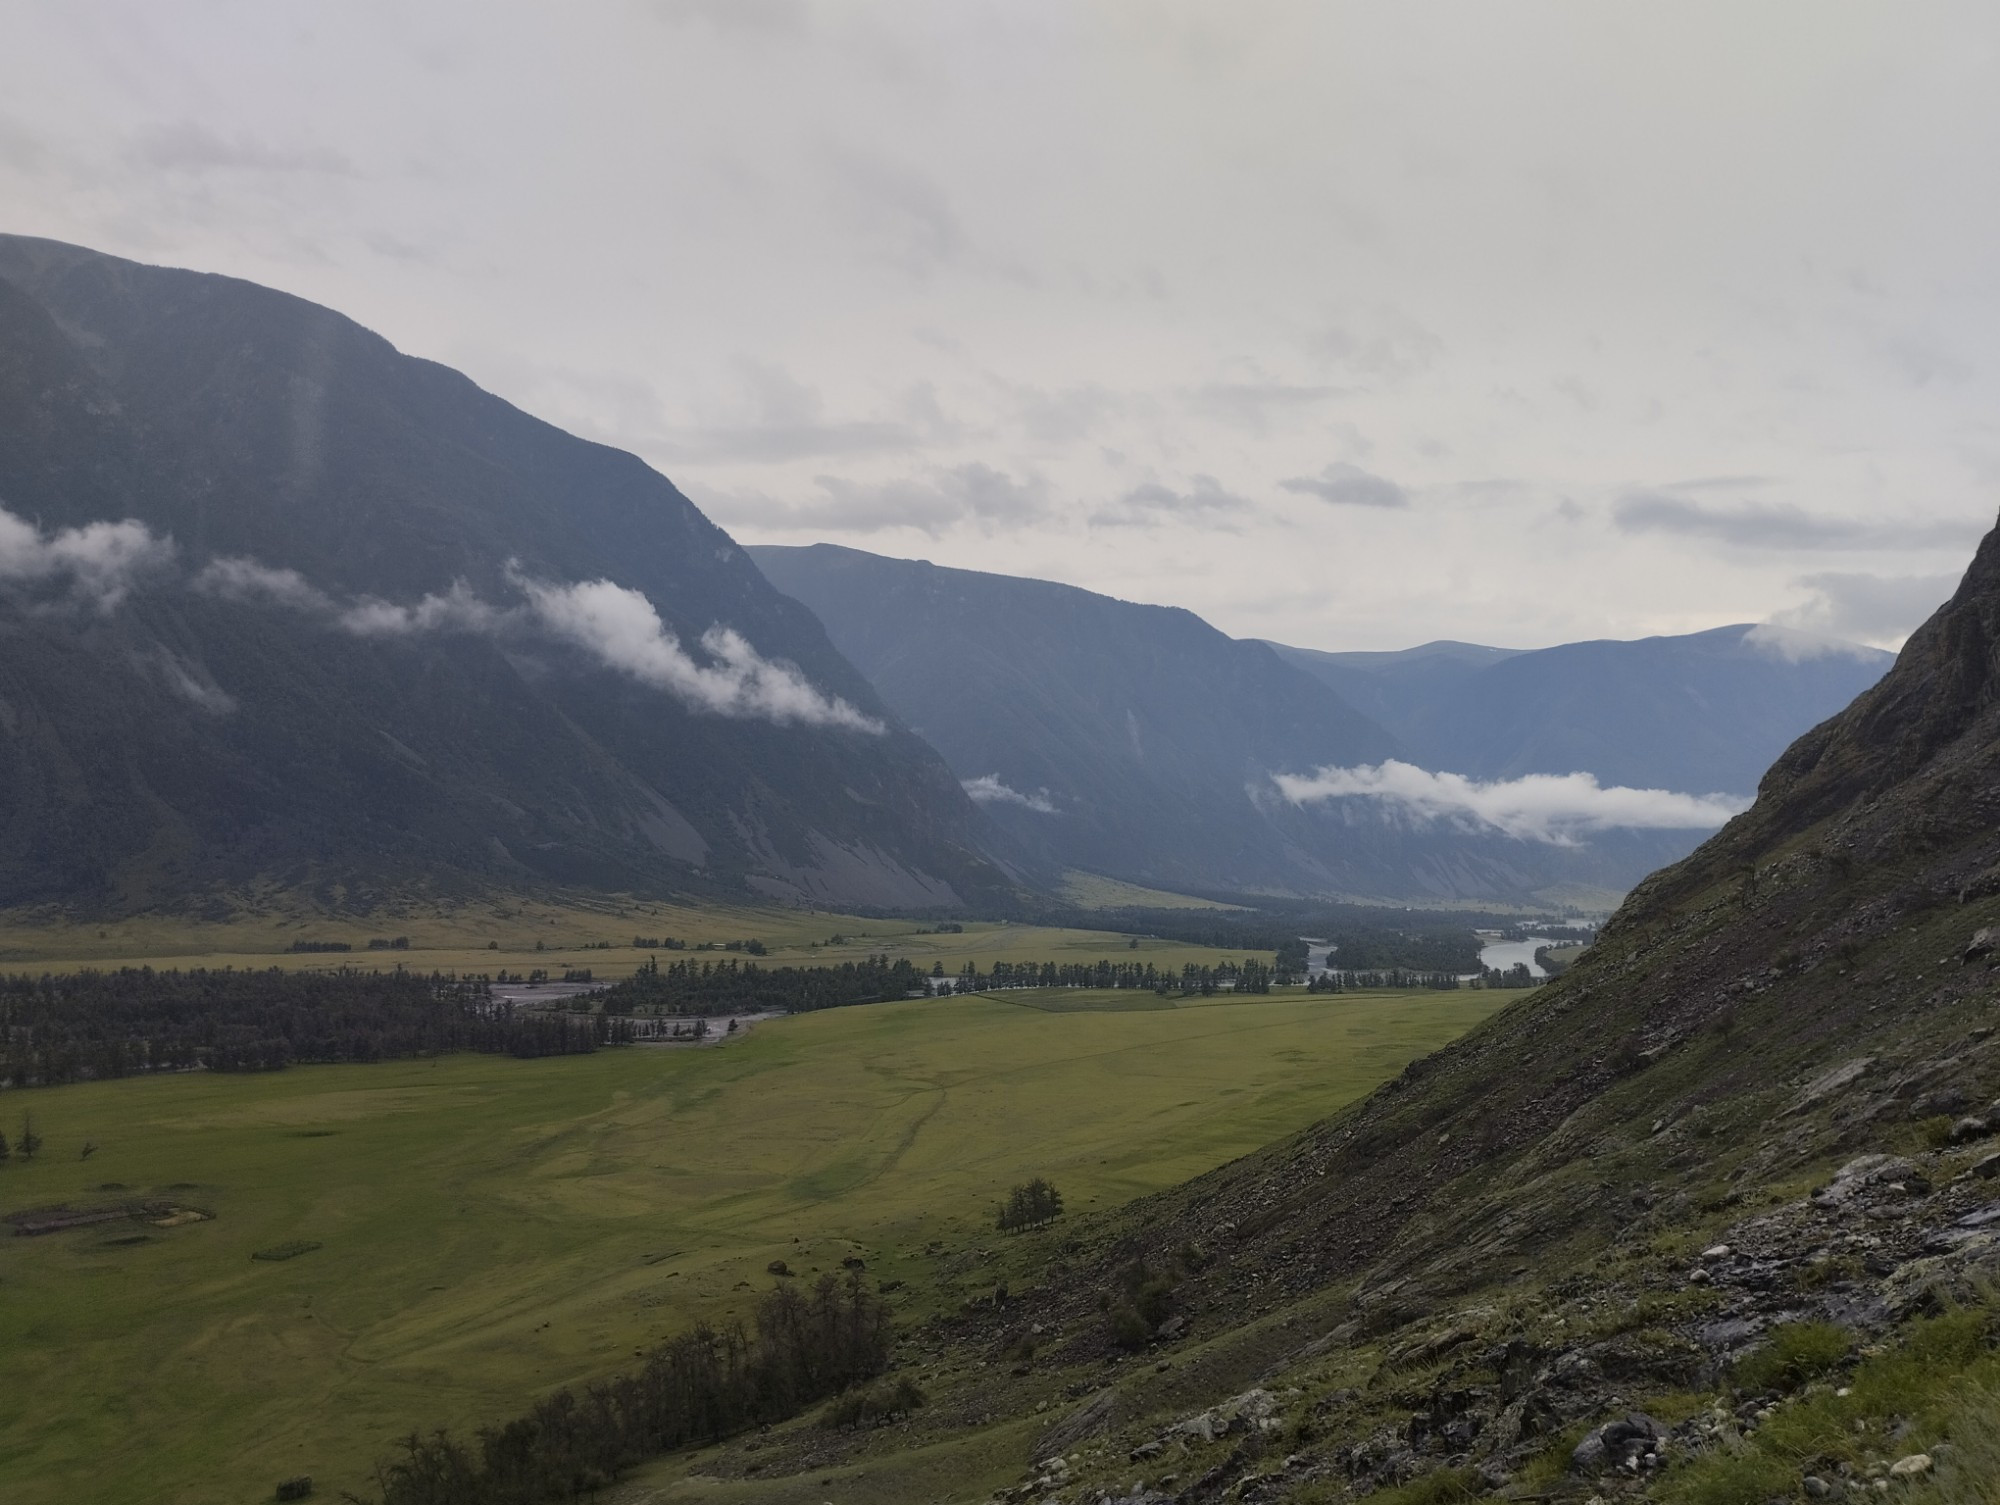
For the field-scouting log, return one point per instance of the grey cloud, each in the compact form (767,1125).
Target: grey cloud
(95,565)
(1720,483)
(1558,809)
(1205,502)
(900,208)
(455,610)
(233,578)
(988,790)
(614,624)
(1067,414)
(766,17)
(190,147)
(1921,362)
(1874,608)
(619,627)
(1253,405)
(1776,525)
(20,148)
(787,422)
(192,683)
(931,503)
(1385,345)
(1347,485)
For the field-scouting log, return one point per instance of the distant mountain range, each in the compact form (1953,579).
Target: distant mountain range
(279,602)
(1705,713)
(1135,741)
(1140,742)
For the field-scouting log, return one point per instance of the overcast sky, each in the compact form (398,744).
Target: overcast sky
(1347,325)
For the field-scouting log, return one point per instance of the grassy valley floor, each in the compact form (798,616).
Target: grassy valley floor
(521,934)
(485,1229)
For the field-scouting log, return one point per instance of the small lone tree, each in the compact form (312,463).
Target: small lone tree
(30,1140)
(5,1148)
(1029,1206)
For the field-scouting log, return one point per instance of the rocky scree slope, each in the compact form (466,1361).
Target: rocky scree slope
(1738,1165)
(372,694)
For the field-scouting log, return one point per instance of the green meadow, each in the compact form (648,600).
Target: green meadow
(465,1232)
(519,934)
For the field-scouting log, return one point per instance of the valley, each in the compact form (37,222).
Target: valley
(485,1229)
(394,785)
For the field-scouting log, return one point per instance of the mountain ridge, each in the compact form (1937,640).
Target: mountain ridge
(407,663)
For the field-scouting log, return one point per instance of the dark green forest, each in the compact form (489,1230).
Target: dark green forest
(95,1025)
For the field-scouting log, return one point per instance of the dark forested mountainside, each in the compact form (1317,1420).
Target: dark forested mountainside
(1702,713)
(367,621)
(1114,737)
(1140,742)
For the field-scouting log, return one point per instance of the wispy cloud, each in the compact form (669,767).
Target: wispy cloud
(1552,808)
(614,624)
(931,502)
(234,578)
(190,147)
(1346,485)
(619,627)
(988,790)
(1875,608)
(190,681)
(95,565)
(1205,500)
(1792,645)
(774,417)
(1777,525)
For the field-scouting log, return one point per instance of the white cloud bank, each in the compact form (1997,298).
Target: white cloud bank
(99,564)
(619,628)
(614,624)
(95,565)
(988,790)
(1552,808)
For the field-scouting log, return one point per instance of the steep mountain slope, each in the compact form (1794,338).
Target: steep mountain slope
(1625,1238)
(1139,742)
(1703,713)
(1120,738)
(370,622)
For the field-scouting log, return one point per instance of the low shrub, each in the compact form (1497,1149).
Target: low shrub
(1795,1354)
(290,1249)
(873,1405)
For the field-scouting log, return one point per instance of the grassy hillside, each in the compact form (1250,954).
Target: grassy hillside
(488,1228)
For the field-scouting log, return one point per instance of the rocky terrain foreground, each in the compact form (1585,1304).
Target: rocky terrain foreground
(1715,1217)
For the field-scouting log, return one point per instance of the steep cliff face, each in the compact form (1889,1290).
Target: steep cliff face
(276,600)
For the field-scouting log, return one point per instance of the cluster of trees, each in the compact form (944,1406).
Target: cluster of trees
(1029,1205)
(1516,976)
(731,987)
(657,943)
(696,1388)
(1394,977)
(1243,977)
(30,1143)
(96,1025)
(1416,941)
(1292,961)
